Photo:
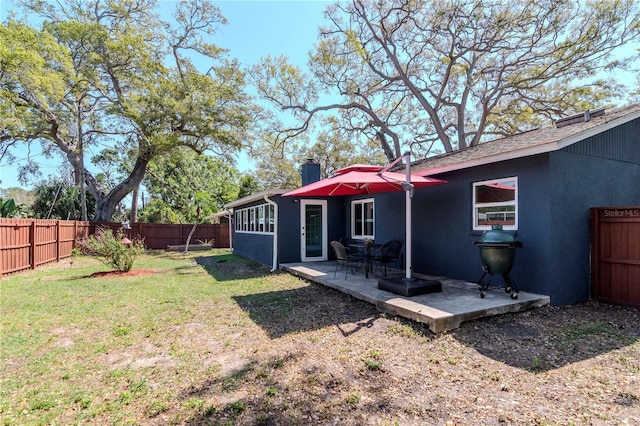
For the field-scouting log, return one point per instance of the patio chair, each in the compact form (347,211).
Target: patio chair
(389,253)
(348,261)
(345,242)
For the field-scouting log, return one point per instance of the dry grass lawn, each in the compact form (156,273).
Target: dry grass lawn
(216,340)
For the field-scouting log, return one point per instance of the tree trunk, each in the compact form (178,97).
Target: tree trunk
(186,247)
(106,204)
(83,194)
(134,206)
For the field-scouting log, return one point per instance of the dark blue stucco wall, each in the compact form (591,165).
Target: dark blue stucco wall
(555,192)
(443,232)
(259,247)
(389,216)
(336,220)
(289,230)
(601,171)
(580,182)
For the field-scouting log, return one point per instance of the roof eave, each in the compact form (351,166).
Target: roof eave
(533,150)
(255,197)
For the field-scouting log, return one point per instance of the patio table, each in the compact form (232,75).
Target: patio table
(368,251)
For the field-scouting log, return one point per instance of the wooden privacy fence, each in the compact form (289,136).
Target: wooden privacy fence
(28,243)
(161,235)
(615,254)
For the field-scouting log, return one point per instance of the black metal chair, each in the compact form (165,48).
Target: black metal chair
(389,253)
(346,242)
(346,259)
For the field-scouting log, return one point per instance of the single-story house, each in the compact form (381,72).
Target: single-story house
(539,185)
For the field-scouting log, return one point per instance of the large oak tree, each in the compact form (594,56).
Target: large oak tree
(185,187)
(437,76)
(94,72)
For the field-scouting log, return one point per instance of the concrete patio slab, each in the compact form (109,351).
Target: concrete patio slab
(459,301)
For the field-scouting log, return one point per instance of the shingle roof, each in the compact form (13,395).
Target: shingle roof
(523,144)
(255,197)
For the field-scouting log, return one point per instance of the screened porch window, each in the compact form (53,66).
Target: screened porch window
(495,202)
(257,220)
(362,219)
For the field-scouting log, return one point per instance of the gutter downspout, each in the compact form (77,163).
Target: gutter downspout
(275,233)
(231,234)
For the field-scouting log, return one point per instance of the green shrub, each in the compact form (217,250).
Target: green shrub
(108,246)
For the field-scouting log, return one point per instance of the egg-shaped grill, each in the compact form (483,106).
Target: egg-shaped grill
(497,254)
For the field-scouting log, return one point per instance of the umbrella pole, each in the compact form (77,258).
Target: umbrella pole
(408,267)
(408,286)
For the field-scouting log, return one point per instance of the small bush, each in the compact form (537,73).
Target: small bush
(107,246)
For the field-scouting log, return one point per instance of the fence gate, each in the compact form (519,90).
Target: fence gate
(615,255)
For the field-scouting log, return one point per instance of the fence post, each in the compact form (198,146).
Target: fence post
(1,251)
(57,241)
(32,247)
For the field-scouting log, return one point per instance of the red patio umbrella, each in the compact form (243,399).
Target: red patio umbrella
(368,179)
(361,179)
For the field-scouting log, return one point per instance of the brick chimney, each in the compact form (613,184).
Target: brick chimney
(310,172)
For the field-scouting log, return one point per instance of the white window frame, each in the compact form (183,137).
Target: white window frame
(476,206)
(271,219)
(261,218)
(258,219)
(353,218)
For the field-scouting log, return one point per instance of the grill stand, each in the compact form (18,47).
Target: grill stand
(485,280)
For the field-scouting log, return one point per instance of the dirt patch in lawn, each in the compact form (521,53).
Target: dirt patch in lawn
(130,273)
(313,356)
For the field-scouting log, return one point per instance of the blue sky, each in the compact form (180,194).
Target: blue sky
(254,29)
